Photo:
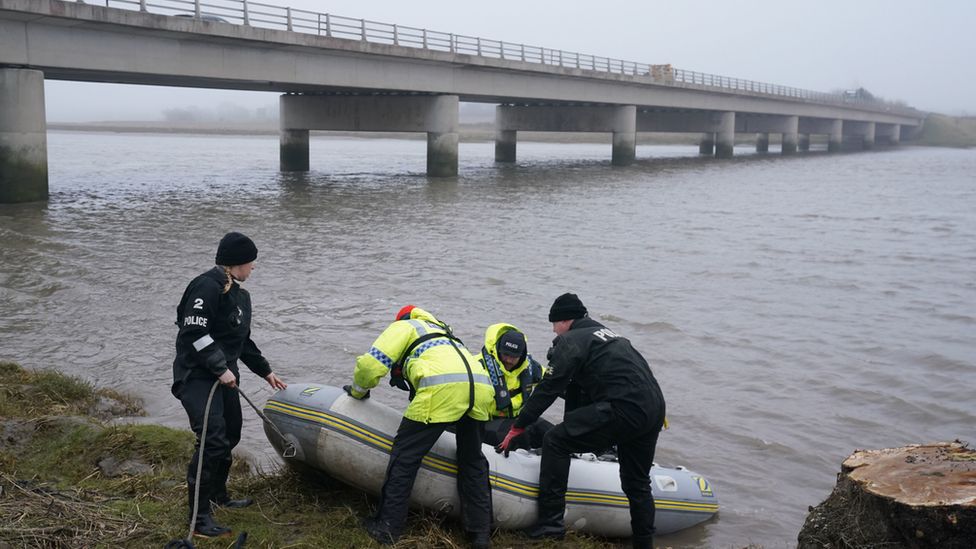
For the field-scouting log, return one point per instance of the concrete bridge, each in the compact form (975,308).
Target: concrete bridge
(337,73)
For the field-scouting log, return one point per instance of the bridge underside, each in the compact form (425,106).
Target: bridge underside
(343,84)
(23,148)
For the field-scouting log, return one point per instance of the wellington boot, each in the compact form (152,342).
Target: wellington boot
(643,542)
(549,524)
(207,528)
(379,531)
(480,540)
(233,503)
(545,531)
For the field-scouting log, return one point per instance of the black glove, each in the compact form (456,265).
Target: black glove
(397,380)
(348,390)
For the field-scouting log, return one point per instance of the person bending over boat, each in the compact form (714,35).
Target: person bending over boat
(449,388)
(513,373)
(214,319)
(624,407)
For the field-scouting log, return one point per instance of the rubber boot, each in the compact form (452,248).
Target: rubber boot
(219,498)
(203,523)
(549,525)
(205,526)
(643,542)
(480,540)
(379,530)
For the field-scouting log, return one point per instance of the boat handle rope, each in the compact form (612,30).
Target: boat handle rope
(290,450)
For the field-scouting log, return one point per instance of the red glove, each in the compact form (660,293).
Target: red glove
(512,433)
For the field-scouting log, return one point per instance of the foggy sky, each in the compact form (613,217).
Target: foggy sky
(917,52)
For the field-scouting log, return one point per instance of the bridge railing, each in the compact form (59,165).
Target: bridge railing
(259,14)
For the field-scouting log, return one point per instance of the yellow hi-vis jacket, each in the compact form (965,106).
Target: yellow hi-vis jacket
(519,382)
(434,369)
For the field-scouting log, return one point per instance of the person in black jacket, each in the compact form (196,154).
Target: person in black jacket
(612,398)
(214,320)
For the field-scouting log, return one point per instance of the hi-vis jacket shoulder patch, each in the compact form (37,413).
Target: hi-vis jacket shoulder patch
(310,391)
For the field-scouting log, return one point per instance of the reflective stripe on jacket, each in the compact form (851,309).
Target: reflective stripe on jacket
(434,369)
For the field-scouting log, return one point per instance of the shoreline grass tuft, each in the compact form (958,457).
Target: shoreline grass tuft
(57,489)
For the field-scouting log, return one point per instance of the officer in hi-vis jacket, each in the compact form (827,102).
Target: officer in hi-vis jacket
(448,388)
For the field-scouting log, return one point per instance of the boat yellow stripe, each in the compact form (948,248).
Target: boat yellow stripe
(355,430)
(328,419)
(506,484)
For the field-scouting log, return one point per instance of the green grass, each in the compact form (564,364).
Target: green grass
(946,131)
(31,394)
(53,494)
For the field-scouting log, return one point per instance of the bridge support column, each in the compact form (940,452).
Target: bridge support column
(725,135)
(706,147)
(803,142)
(869,136)
(895,136)
(442,154)
(293,150)
(790,136)
(624,136)
(836,138)
(620,121)
(23,137)
(506,143)
(762,142)
(435,115)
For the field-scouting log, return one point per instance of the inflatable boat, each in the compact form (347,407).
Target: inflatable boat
(350,440)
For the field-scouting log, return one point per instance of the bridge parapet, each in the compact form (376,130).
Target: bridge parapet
(262,15)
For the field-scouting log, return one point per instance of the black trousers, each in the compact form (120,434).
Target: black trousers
(580,433)
(223,434)
(413,441)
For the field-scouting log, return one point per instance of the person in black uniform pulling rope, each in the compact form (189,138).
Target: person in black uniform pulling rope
(214,320)
(623,407)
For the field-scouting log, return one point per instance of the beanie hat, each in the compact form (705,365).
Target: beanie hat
(511,343)
(566,307)
(235,249)
(404,313)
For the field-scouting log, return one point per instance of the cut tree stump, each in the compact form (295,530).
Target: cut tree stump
(917,496)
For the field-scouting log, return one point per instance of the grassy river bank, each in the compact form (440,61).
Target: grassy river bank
(73,475)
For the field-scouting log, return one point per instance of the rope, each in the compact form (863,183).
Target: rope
(289,450)
(188,542)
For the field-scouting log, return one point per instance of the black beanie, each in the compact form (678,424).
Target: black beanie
(511,343)
(566,307)
(235,249)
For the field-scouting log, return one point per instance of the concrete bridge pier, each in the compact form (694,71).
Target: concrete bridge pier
(435,115)
(888,133)
(836,138)
(293,150)
(23,136)
(620,121)
(624,149)
(506,143)
(790,134)
(859,133)
(725,135)
(442,154)
(869,136)
(706,147)
(803,143)
(762,142)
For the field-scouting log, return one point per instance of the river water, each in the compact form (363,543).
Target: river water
(793,309)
